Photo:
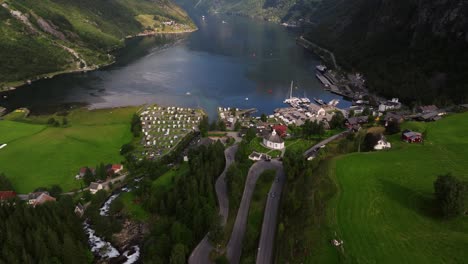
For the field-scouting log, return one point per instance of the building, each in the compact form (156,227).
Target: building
(427,109)
(411,136)
(382,144)
(79,210)
(393,116)
(44,197)
(94,187)
(117,168)
(273,141)
(32,197)
(7,195)
(389,105)
(281,130)
(255,156)
(82,172)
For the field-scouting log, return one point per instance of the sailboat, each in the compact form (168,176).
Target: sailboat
(291,99)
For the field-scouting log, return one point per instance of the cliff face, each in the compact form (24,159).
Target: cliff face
(416,49)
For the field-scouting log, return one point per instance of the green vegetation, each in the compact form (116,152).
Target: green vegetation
(415,63)
(42,155)
(49,233)
(255,218)
(132,207)
(168,179)
(384,208)
(90,28)
(185,212)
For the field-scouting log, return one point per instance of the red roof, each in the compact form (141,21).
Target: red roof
(43,198)
(83,170)
(280,129)
(117,167)
(5,195)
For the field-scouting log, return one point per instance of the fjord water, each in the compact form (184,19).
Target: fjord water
(242,63)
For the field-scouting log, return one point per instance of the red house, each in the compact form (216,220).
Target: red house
(7,195)
(411,136)
(281,130)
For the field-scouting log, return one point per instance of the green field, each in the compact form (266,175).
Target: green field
(168,179)
(40,155)
(133,207)
(384,211)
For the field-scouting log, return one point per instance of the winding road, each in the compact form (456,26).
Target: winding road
(234,247)
(201,253)
(267,237)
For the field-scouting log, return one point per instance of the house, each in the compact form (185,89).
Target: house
(79,210)
(44,197)
(430,116)
(82,172)
(94,187)
(427,109)
(393,116)
(255,156)
(7,195)
(32,197)
(281,130)
(356,122)
(411,136)
(117,168)
(273,141)
(382,144)
(389,105)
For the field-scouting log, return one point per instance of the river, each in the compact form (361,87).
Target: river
(221,64)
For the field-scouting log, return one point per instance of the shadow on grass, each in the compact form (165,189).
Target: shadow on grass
(424,205)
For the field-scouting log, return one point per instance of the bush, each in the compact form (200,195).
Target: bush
(450,195)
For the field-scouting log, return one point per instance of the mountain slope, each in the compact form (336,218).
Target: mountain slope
(272,10)
(53,36)
(417,50)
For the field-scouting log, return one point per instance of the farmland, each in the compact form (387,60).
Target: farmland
(39,154)
(384,209)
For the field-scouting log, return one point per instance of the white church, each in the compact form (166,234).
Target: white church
(273,141)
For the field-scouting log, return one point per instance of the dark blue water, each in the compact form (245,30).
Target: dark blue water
(221,64)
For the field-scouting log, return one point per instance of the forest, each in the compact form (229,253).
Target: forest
(50,233)
(186,211)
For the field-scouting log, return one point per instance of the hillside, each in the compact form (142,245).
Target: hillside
(417,50)
(271,10)
(385,210)
(47,37)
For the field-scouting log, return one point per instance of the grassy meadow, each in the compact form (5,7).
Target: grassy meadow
(384,209)
(41,155)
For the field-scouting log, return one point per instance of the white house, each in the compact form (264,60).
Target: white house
(94,187)
(273,141)
(382,144)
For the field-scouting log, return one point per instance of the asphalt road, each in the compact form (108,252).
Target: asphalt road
(267,237)
(234,247)
(201,253)
(312,150)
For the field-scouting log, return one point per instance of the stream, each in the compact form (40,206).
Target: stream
(104,249)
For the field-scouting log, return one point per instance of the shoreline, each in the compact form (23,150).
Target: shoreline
(11,86)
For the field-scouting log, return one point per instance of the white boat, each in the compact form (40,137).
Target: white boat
(291,99)
(246,98)
(188,93)
(334,102)
(224,22)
